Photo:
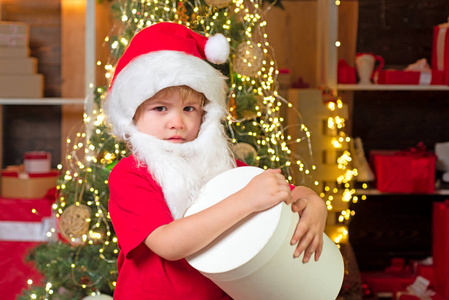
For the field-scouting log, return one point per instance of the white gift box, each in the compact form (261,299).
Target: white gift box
(254,259)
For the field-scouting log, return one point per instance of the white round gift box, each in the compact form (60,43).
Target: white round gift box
(254,259)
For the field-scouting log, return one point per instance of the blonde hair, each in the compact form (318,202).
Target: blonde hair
(183,90)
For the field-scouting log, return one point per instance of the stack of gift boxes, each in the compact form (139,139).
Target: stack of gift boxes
(32,180)
(18,71)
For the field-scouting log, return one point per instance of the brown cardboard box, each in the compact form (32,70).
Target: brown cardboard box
(14,34)
(8,52)
(27,186)
(16,65)
(22,86)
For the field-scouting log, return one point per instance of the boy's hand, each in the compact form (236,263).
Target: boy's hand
(266,190)
(312,219)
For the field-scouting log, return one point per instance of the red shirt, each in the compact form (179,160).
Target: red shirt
(137,207)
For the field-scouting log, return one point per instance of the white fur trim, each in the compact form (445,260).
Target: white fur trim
(217,49)
(149,73)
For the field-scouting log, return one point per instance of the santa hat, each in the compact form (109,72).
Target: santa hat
(163,55)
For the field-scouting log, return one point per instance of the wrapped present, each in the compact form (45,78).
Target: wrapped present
(17,52)
(18,65)
(440,50)
(407,171)
(387,283)
(23,225)
(16,184)
(410,77)
(22,86)
(14,34)
(424,268)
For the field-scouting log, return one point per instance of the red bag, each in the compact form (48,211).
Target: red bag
(440,50)
(440,247)
(346,73)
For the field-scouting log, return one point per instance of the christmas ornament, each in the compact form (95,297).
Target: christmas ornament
(219,3)
(244,152)
(232,107)
(248,59)
(98,297)
(74,223)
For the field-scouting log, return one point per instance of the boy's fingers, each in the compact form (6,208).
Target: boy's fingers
(319,251)
(312,246)
(302,247)
(299,204)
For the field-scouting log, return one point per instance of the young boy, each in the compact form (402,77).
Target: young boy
(168,103)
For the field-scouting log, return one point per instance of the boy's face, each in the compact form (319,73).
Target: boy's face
(171,118)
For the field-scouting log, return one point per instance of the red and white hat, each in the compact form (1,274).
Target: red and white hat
(159,56)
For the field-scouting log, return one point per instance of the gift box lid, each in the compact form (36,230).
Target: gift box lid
(22,175)
(37,155)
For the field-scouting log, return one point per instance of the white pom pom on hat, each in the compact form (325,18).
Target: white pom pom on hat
(217,49)
(159,56)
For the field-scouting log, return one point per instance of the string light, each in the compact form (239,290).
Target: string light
(345,191)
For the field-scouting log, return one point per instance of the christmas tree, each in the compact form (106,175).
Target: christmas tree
(82,262)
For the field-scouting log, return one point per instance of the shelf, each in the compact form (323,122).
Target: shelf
(41,101)
(391,87)
(375,192)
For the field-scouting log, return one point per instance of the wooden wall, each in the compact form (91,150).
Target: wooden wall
(292,32)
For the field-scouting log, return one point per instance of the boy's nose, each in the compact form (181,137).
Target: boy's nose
(176,121)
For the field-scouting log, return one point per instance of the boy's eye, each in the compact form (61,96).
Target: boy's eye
(160,108)
(189,108)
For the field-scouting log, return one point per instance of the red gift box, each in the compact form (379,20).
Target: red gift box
(410,77)
(387,283)
(408,171)
(440,50)
(23,225)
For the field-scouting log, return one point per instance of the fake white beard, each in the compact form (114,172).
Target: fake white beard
(182,169)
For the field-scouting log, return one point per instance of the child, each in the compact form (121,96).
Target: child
(168,103)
